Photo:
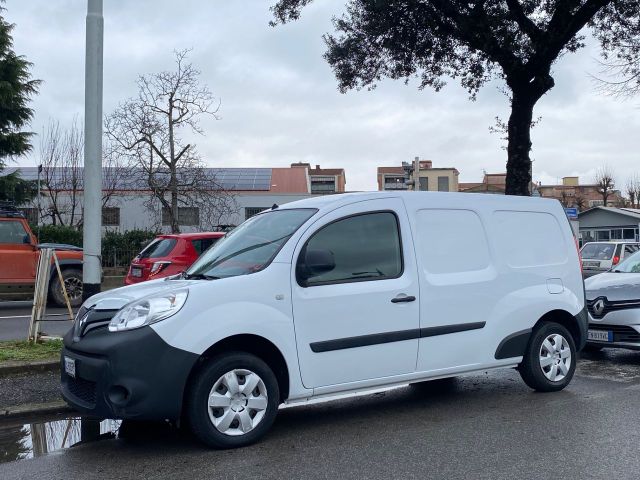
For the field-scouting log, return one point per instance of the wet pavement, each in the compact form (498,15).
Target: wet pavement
(480,426)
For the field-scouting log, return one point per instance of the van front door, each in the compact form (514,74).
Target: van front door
(354,291)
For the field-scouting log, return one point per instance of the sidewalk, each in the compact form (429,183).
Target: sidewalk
(30,393)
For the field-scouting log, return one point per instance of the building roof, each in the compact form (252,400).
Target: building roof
(280,180)
(630,212)
(326,171)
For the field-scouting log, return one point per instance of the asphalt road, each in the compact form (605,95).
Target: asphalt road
(15,317)
(483,426)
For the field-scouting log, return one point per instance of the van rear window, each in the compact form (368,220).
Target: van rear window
(598,251)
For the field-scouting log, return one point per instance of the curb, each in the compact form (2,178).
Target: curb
(31,409)
(10,368)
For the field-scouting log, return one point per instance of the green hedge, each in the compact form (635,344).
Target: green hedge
(114,244)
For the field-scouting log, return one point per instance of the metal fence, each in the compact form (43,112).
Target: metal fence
(117,257)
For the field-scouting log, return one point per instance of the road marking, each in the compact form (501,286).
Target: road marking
(29,316)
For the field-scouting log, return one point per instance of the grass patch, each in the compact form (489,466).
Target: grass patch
(25,351)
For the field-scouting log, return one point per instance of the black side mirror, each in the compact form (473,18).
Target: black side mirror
(313,263)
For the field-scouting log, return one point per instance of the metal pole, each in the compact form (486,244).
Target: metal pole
(39,205)
(92,227)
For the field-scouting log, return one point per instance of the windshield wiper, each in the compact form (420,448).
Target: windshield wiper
(198,276)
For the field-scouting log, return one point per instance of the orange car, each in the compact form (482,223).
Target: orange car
(19,251)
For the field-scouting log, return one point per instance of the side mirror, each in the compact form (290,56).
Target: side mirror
(26,240)
(314,263)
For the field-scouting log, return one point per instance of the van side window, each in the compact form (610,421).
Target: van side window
(12,231)
(364,247)
(630,249)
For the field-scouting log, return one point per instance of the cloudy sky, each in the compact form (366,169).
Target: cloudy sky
(279,98)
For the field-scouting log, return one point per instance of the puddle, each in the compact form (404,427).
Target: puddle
(20,442)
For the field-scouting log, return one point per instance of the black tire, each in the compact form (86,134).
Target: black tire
(73,281)
(531,370)
(197,409)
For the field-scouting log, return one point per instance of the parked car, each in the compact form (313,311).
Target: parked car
(332,295)
(598,257)
(613,300)
(19,252)
(168,255)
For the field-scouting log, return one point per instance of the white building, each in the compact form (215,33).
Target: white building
(133,207)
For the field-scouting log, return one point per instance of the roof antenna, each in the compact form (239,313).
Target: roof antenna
(274,206)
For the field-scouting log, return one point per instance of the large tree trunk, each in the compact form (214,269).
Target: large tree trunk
(519,145)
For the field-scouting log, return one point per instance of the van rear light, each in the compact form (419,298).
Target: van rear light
(579,254)
(616,260)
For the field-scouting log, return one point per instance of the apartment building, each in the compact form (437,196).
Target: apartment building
(324,181)
(418,175)
(572,194)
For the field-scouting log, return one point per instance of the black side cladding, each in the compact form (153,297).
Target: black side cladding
(514,345)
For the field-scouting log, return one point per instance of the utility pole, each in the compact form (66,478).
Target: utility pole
(92,225)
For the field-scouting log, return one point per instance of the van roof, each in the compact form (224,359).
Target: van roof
(500,201)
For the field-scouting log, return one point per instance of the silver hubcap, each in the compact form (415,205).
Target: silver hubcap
(555,357)
(237,402)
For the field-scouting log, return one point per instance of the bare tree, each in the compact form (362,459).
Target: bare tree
(580,201)
(605,182)
(147,130)
(61,157)
(633,190)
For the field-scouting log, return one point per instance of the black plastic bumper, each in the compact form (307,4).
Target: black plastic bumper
(582,320)
(127,375)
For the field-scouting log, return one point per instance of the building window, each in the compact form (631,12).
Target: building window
(443,184)
(31,214)
(323,185)
(596,203)
(424,184)
(395,183)
(187,216)
(252,211)
(110,216)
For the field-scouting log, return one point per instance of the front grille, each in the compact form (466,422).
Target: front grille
(621,333)
(611,306)
(83,389)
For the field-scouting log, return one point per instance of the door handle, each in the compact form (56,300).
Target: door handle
(402,298)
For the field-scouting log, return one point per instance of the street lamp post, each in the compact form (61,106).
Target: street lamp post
(92,224)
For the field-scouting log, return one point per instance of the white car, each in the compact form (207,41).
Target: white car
(598,257)
(613,300)
(330,295)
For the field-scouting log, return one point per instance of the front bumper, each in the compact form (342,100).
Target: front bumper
(619,336)
(125,375)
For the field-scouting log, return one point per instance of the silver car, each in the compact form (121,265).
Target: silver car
(613,301)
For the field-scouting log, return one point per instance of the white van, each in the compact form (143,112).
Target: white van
(330,295)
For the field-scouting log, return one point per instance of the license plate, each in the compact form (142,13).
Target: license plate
(136,272)
(70,366)
(590,264)
(600,335)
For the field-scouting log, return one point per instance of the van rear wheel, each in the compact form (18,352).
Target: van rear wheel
(550,359)
(233,400)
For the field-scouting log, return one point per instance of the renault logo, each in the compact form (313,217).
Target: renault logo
(598,307)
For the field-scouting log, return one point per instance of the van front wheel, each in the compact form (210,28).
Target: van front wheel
(233,400)
(550,359)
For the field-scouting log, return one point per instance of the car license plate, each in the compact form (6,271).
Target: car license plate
(136,272)
(600,335)
(70,366)
(590,264)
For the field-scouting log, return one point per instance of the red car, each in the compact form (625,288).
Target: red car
(168,255)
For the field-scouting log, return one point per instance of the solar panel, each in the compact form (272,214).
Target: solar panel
(252,179)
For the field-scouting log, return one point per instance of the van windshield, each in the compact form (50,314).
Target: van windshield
(251,246)
(630,265)
(598,251)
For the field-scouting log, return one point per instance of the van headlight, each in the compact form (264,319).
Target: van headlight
(148,310)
